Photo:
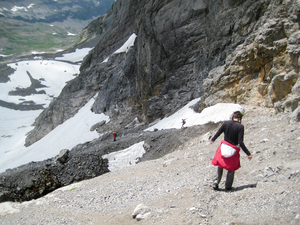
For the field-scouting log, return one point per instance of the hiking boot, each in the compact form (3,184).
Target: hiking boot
(215,185)
(228,189)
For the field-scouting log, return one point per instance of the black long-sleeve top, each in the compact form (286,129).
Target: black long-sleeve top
(233,133)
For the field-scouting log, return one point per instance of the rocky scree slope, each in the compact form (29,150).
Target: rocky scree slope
(175,189)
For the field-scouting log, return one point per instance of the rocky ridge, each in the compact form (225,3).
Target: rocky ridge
(175,189)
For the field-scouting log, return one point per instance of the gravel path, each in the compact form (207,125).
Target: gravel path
(176,189)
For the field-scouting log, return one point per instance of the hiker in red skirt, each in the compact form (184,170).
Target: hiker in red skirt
(115,136)
(227,155)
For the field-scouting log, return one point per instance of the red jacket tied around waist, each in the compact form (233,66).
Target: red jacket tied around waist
(229,163)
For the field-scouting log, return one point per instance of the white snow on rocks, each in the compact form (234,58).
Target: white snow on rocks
(76,56)
(216,113)
(125,47)
(124,158)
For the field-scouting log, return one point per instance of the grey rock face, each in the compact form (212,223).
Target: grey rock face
(177,45)
(264,69)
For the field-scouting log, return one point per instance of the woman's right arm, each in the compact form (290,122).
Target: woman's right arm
(219,132)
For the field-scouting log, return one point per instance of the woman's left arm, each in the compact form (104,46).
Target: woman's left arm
(241,141)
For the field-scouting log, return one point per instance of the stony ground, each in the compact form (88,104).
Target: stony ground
(176,189)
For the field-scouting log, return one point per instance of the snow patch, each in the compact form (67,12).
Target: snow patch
(37,53)
(52,74)
(129,43)
(72,132)
(216,113)
(125,47)
(124,158)
(76,56)
(16,8)
(30,6)
(71,34)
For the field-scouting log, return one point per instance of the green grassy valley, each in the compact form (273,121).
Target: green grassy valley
(45,26)
(17,37)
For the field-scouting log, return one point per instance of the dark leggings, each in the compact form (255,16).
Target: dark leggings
(229,178)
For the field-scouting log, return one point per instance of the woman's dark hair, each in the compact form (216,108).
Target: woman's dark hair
(237,115)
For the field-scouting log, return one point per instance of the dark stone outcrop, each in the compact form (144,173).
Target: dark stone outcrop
(5,71)
(29,90)
(37,179)
(24,106)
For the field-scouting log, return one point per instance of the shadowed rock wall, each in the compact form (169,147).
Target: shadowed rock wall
(178,44)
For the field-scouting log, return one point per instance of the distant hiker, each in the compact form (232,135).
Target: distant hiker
(183,122)
(227,155)
(115,136)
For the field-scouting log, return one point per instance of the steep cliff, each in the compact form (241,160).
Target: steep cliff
(264,70)
(229,51)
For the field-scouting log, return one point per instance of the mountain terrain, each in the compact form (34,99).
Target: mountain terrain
(176,188)
(232,51)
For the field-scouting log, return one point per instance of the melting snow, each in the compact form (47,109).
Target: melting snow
(124,158)
(76,56)
(125,47)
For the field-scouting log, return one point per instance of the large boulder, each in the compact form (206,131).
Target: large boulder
(37,179)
